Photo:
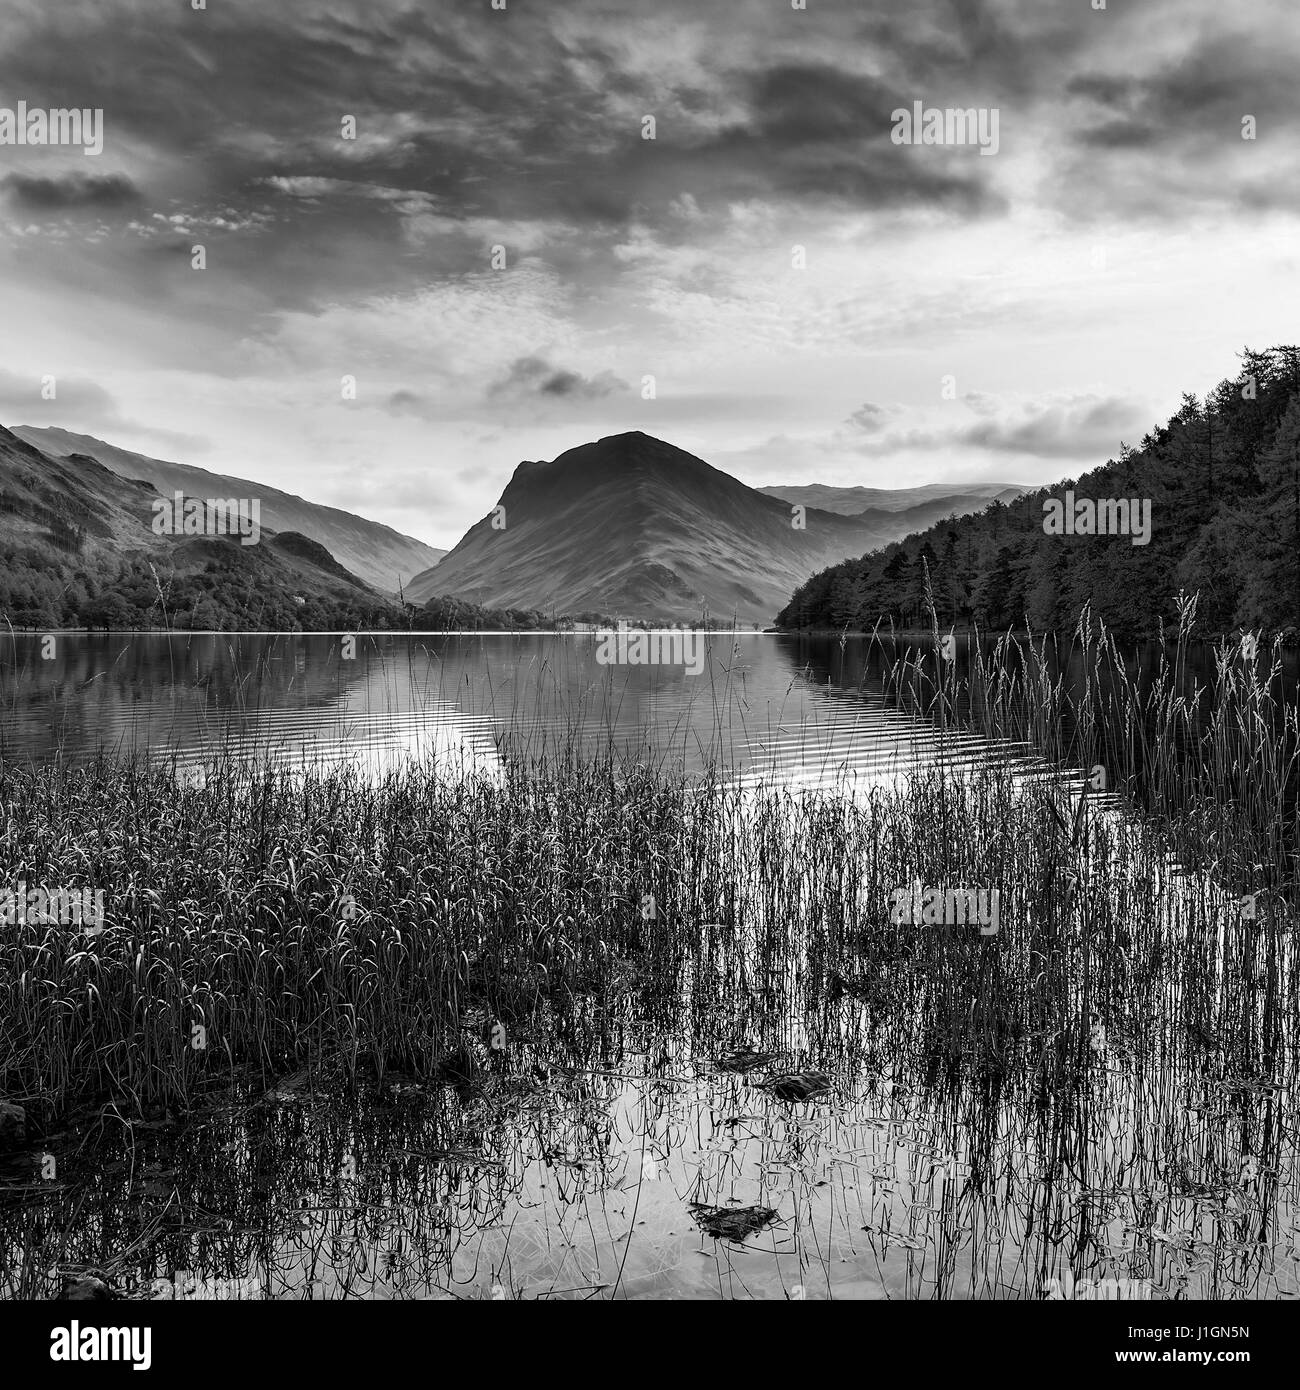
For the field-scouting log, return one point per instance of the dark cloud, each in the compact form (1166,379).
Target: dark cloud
(524,127)
(1105,88)
(869,418)
(1170,140)
(1076,427)
(69,191)
(470,120)
(1064,427)
(407,403)
(535,376)
(1122,134)
(527,117)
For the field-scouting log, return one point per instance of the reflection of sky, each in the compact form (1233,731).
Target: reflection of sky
(756,708)
(437,737)
(765,708)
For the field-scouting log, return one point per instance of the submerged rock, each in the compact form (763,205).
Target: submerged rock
(797,1085)
(745,1059)
(86,1290)
(731,1223)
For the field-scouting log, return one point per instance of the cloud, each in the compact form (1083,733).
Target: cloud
(83,405)
(86,400)
(1072,427)
(70,191)
(628,257)
(1164,137)
(536,377)
(1085,426)
(408,403)
(870,418)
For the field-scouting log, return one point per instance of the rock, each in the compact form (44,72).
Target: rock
(797,1085)
(13,1126)
(87,1290)
(731,1223)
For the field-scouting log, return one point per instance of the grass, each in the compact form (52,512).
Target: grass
(292,918)
(1216,766)
(319,924)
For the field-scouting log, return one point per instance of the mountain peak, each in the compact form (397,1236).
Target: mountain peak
(631,524)
(631,449)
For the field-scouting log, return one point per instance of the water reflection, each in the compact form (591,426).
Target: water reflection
(804,710)
(994,1122)
(570,1165)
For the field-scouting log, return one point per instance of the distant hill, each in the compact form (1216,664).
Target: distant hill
(384,558)
(637,527)
(1222,481)
(942,498)
(80,551)
(899,513)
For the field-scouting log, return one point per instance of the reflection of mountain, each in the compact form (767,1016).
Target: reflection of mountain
(243,694)
(631,525)
(384,558)
(112,687)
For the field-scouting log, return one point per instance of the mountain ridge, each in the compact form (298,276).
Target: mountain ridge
(81,552)
(383,557)
(635,525)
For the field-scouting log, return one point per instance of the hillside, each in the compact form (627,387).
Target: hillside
(384,558)
(919,505)
(634,526)
(80,552)
(1222,477)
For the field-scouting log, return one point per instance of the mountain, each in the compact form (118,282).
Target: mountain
(384,558)
(634,526)
(80,551)
(935,499)
(1211,510)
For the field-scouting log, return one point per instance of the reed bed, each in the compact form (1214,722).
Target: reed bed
(1114,1048)
(1120,1054)
(263,920)
(1118,1057)
(1217,767)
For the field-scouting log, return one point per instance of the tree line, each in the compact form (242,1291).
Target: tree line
(1223,479)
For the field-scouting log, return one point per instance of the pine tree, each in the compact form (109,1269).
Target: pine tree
(1272,593)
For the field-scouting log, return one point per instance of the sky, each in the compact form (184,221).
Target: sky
(773,281)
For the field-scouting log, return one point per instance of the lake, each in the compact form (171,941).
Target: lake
(807,710)
(1116,1147)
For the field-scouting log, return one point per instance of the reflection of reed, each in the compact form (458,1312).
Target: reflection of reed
(1000,1110)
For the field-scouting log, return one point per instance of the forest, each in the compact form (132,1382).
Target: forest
(1223,479)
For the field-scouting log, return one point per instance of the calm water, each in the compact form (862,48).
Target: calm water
(572,1169)
(802,710)
(764,705)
